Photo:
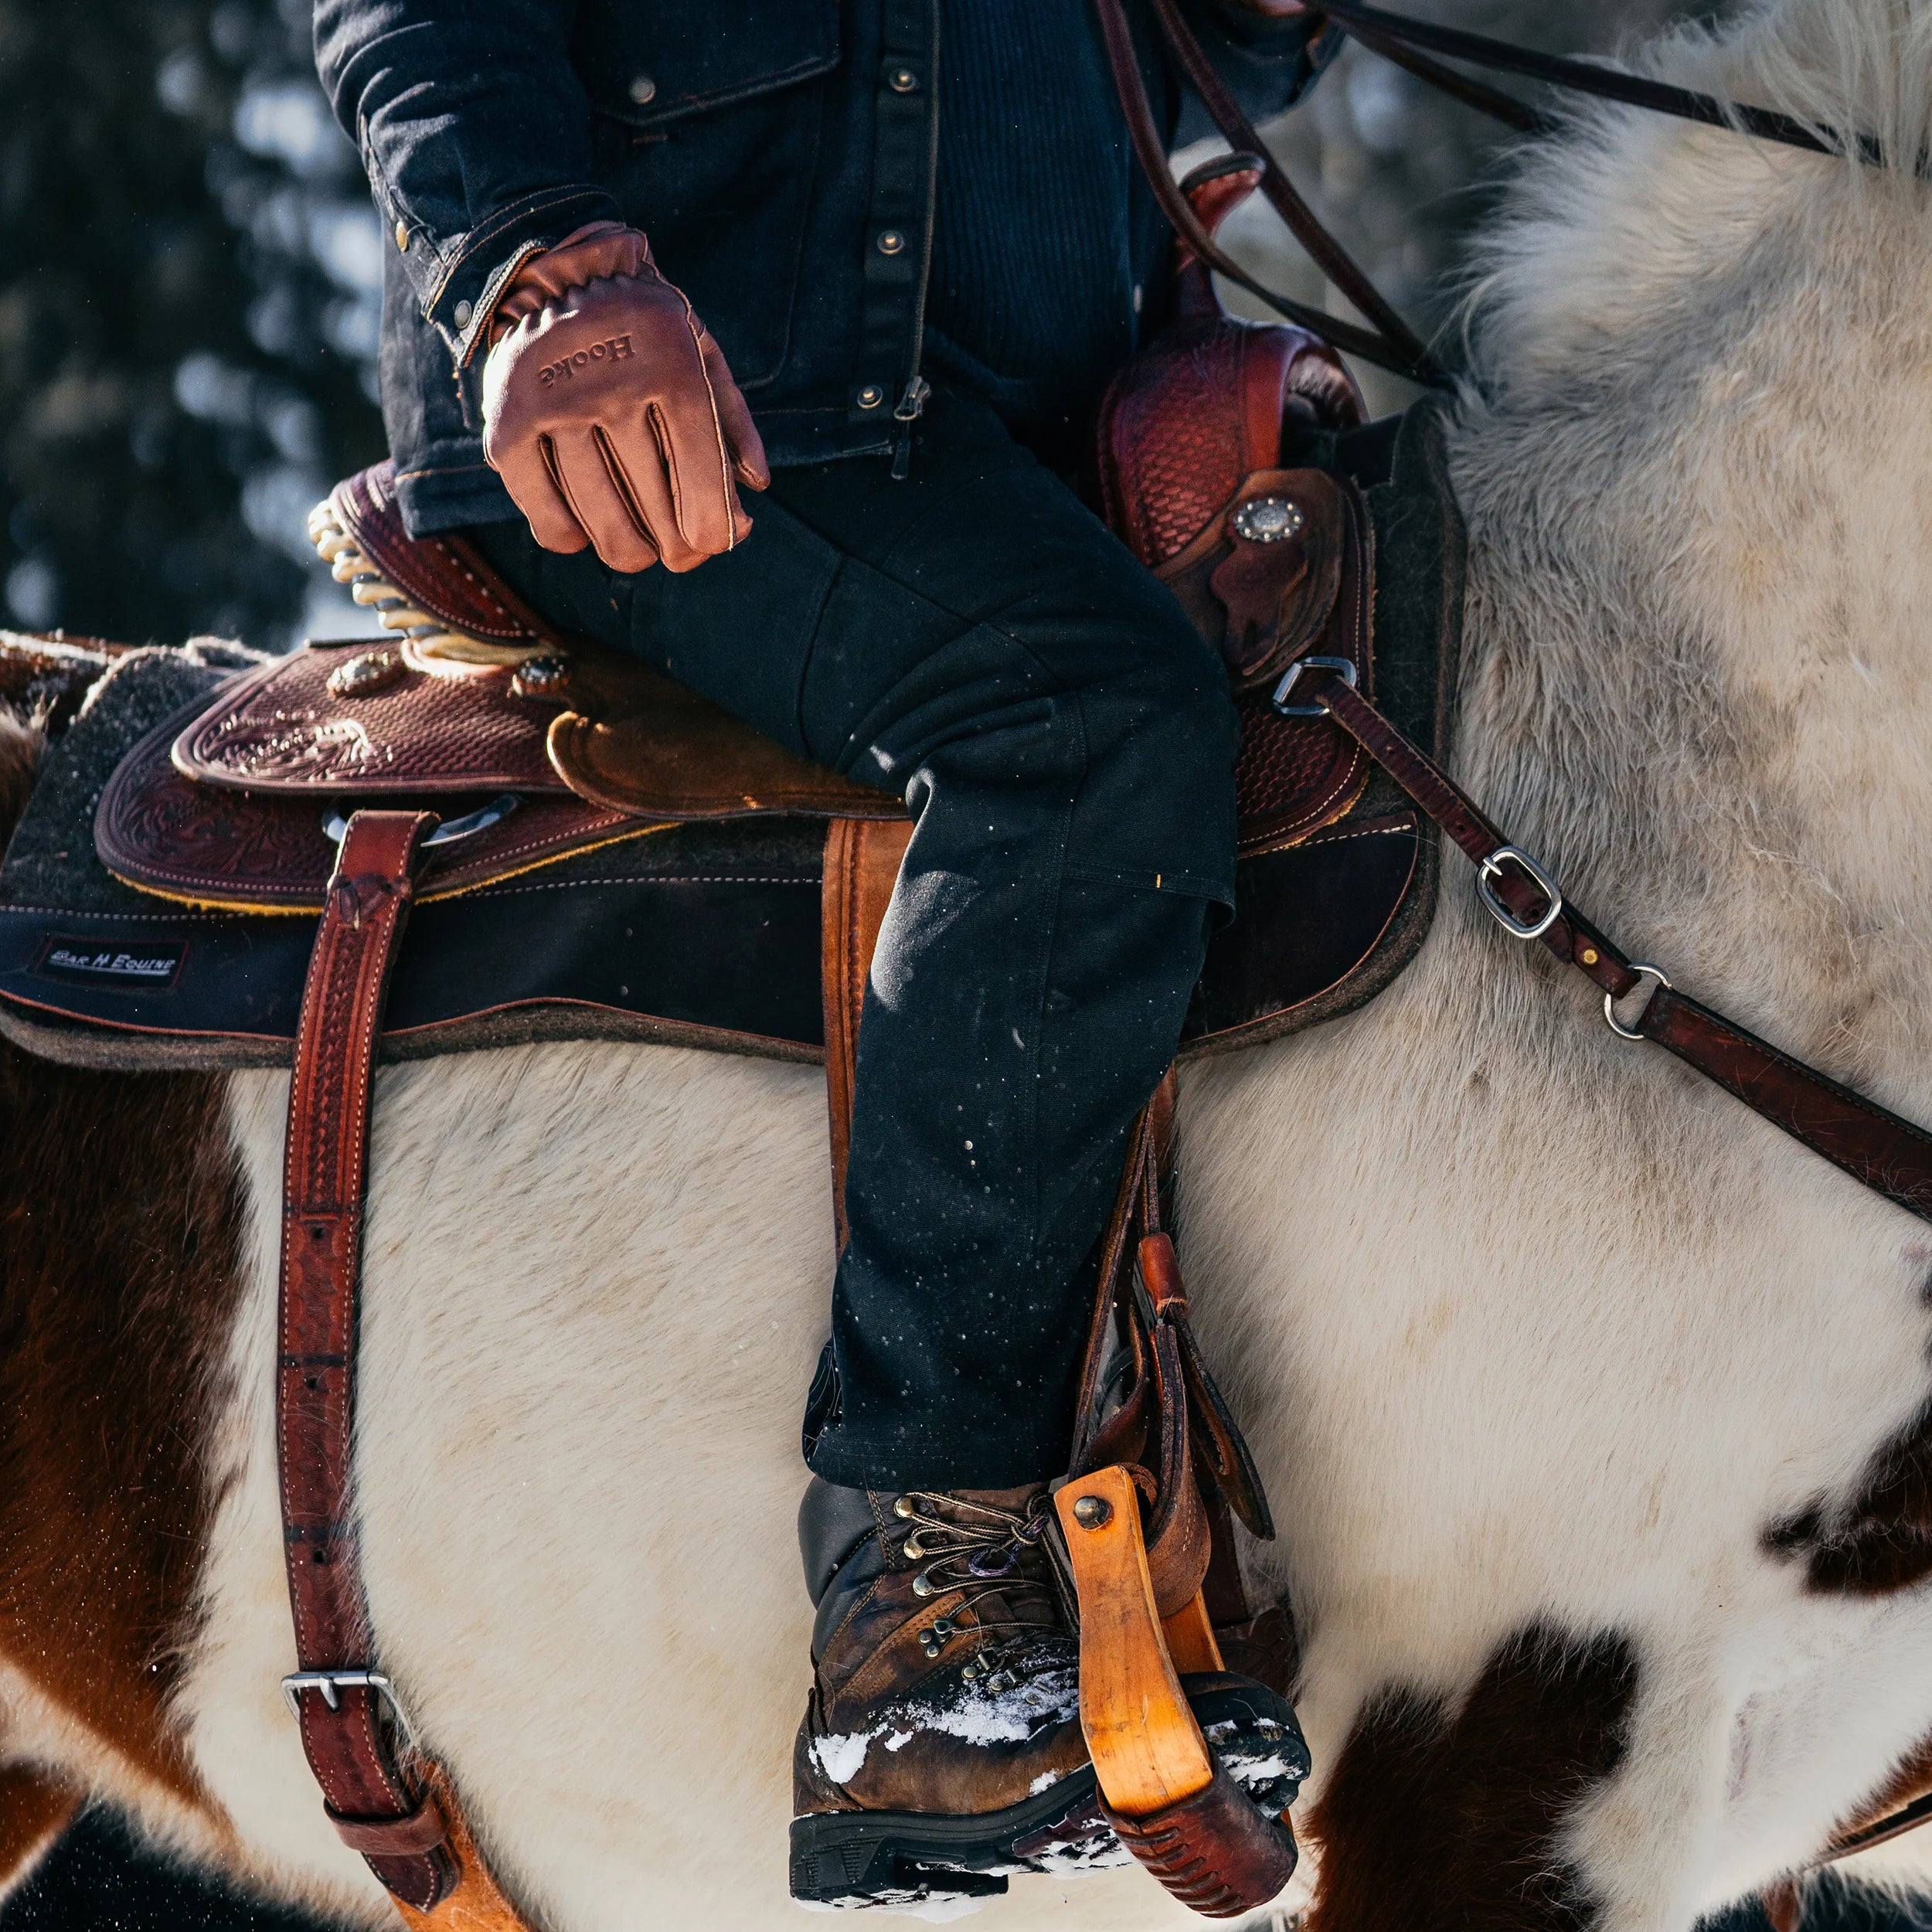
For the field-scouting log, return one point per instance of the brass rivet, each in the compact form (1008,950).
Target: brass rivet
(1590,955)
(1093,1513)
(891,242)
(902,80)
(643,89)
(871,396)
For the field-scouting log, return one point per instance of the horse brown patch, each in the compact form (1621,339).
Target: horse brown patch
(1879,1540)
(120,1212)
(1435,1819)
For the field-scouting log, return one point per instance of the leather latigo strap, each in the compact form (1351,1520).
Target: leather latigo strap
(1887,1153)
(372,1805)
(862,859)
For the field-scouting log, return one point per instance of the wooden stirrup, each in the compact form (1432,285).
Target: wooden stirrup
(1170,1800)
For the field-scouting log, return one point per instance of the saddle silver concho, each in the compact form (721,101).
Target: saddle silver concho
(541,677)
(1269,519)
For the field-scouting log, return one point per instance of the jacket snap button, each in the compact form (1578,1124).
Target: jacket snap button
(891,242)
(643,89)
(463,312)
(871,396)
(902,80)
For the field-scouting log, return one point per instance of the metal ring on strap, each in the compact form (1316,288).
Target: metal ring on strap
(1343,668)
(1616,1026)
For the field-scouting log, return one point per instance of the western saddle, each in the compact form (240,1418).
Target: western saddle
(352,782)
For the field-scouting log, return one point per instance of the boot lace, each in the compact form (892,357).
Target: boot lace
(981,1548)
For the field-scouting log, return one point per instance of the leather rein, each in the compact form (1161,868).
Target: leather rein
(1389,342)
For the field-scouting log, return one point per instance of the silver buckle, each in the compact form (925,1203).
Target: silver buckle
(330,1682)
(1616,1026)
(1343,668)
(1491,868)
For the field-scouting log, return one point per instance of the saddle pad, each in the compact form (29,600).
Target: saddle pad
(215,847)
(703,936)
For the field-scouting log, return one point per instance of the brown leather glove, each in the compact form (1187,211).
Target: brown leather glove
(608,410)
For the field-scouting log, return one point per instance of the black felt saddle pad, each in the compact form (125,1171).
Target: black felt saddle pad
(706,935)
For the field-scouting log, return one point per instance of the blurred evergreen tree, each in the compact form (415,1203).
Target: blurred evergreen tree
(187,314)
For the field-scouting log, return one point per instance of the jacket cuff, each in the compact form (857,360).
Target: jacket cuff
(469,282)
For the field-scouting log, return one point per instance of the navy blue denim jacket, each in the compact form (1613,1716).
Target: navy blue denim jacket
(780,154)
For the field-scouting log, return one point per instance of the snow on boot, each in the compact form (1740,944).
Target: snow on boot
(941,1747)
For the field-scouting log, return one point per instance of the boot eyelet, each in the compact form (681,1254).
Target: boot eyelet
(914,1549)
(923,1586)
(903,1508)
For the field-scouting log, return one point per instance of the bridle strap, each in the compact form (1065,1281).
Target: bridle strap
(1323,249)
(1389,342)
(1378,29)
(1150,149)
(1879,1149)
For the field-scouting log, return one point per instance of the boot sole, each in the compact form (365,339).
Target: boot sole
(917,1862)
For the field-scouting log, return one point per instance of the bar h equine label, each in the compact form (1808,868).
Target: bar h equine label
(150,966)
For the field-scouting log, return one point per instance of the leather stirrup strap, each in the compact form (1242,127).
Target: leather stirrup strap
(1887,1154)
(861,864)
(336,1692)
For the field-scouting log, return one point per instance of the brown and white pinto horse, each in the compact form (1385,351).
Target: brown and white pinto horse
(1598,1413)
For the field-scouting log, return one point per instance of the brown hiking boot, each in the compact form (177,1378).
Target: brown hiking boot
(941,1751)
(941,1747)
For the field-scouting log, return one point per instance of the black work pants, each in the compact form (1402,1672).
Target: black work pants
(974,640)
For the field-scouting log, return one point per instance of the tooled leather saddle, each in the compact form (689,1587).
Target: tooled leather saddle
(368,786)
(581,795)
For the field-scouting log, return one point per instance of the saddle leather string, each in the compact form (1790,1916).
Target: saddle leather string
(1150,150)
(1373,25)
(344,1707)
(1887,1153)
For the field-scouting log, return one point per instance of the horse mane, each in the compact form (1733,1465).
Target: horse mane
(1609,223)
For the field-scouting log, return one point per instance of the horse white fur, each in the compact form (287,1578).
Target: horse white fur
(1526,1323)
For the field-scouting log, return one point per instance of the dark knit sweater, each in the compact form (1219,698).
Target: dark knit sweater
(1044,228)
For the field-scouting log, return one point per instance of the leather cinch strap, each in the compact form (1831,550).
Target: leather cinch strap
(862,859)
(338,1697)
(1887,1154)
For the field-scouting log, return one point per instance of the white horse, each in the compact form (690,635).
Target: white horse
(1593,1409)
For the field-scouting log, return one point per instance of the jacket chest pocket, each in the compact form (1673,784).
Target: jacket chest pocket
(652,65)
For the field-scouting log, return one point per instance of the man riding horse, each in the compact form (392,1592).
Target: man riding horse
(875,261)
